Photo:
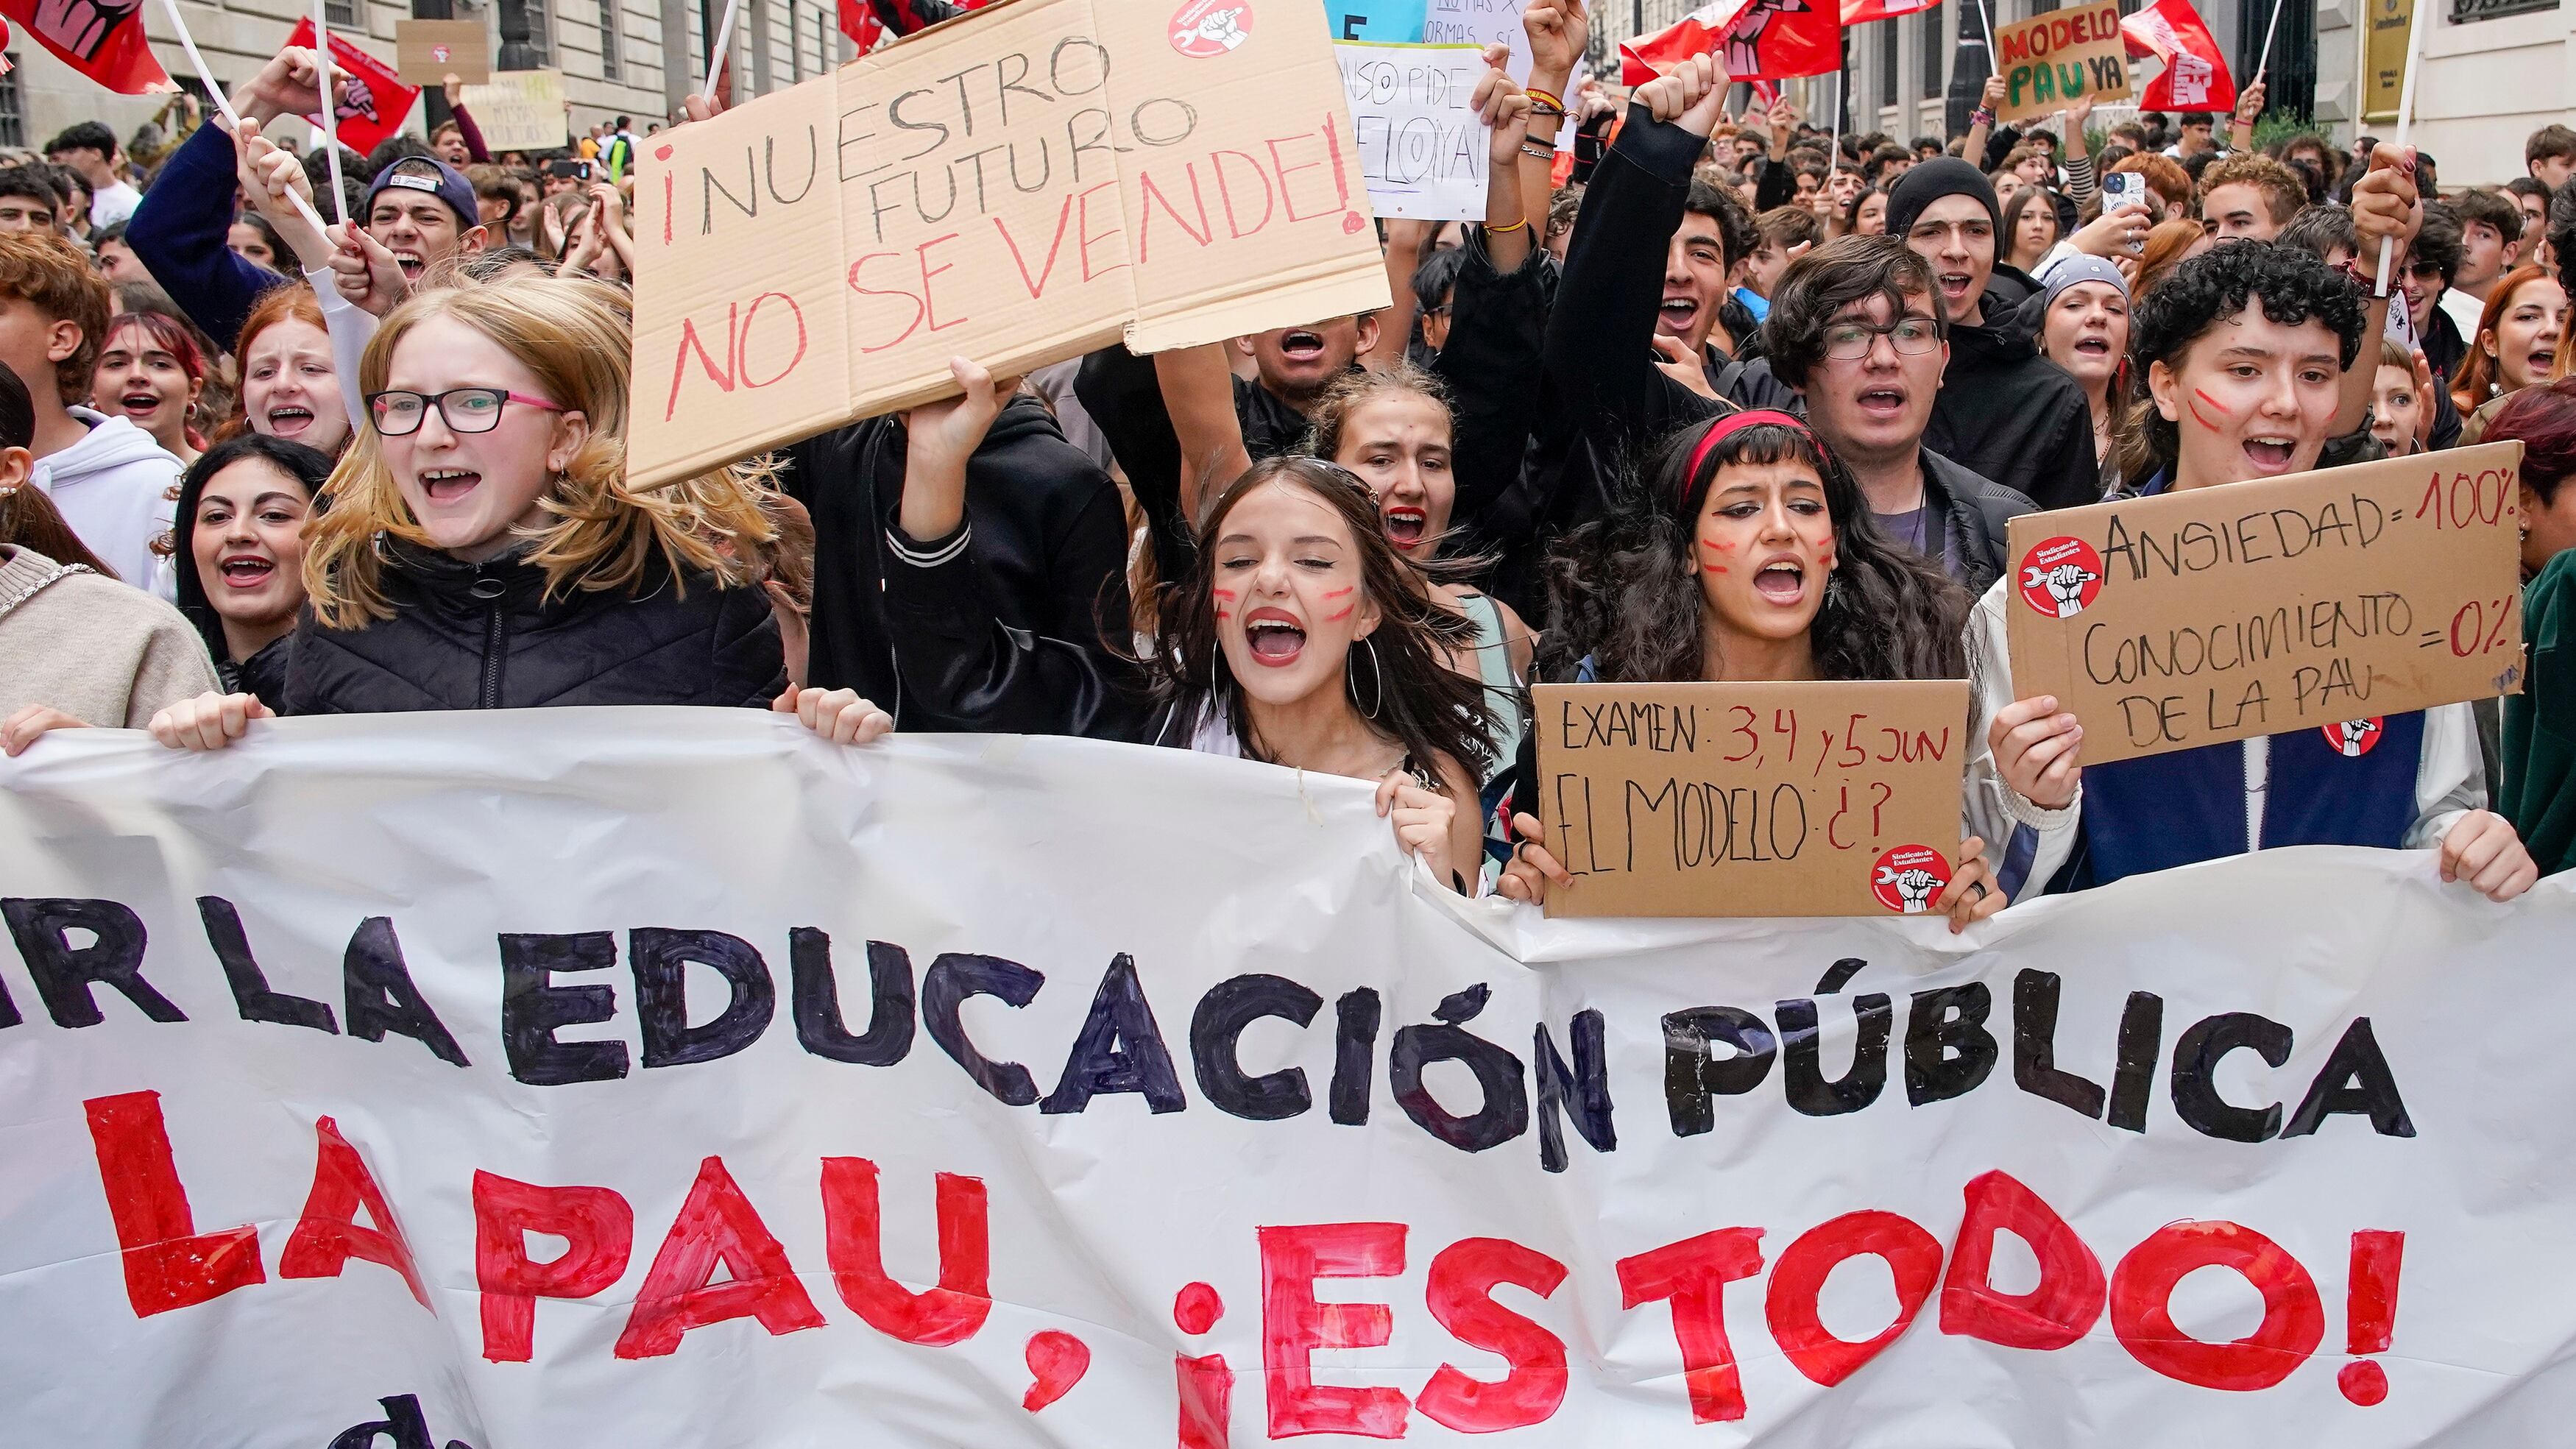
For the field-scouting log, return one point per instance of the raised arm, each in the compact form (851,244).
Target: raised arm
(1198,392)
(1558,31)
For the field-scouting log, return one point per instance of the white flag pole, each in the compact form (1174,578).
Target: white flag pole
(330,93)
(2415,23)
(716,52)
(1994,65)
(2264,65)
(188,43)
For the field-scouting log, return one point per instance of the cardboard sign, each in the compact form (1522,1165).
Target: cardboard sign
(1831,799)
(521,110)
(1422,147)
(2051,61)
(2319,601)
(1018,186)
(427,52)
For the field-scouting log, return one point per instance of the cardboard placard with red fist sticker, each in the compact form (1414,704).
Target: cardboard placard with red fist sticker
(1825,799)
(1205,29)
(2317,601)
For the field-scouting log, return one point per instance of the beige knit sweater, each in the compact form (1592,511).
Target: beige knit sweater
(91,647)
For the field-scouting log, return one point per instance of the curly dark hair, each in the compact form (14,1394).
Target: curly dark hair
(1818,286)
(2291,284)
(1623,592)
(1413,697)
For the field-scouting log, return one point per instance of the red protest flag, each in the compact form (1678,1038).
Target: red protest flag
(866,21)
(103,41)
(1752,40)
(1861,12)
(373,100)
(2195,76)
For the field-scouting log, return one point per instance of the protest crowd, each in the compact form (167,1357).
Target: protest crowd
(1705,396)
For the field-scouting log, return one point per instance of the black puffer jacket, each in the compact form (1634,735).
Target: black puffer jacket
(484,636)
(2010,415)
(1006,625)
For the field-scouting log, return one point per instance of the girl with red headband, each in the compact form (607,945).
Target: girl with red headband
(1750,556)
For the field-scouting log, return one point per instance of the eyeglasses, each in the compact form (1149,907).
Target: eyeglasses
(463,409)
(1852,341)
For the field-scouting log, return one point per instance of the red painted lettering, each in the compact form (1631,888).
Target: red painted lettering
(1225,193)
(1037,286)
(929,304)
(1913,1256)
(2067,1302)
(853,1239)
(1088,239)
(2294,1321)
(168,1263)
(751,319)
(1693,1275)
(690,342)
(920,309)
(327,1236)
(596,1225)
(1463,1278)
(1147,194)
(1294,1325)
(717,1224)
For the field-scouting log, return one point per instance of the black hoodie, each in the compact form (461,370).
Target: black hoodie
(1003,625)
(2008,414)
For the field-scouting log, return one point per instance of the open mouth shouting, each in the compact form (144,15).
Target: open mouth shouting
(1275,637)
(2270,454)
(411,262)
(1954,289)
(139,402)
(2093,344)
(289,420)
(1405,525)
(1883,402)
(1675,316)
(245,571)
(1782,580)
(447,485)
(1299,345)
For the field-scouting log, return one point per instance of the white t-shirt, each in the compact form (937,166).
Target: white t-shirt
(113,204)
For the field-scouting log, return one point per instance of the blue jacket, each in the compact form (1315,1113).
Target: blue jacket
(180,232)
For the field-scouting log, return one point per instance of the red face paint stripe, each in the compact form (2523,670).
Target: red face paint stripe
(1344,614)
(1337,593)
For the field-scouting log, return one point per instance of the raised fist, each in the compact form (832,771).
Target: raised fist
(2065,584)
(1914,886)
(1222,27)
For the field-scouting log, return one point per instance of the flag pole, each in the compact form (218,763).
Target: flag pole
(2264,65)
(224,105)
(2405,124)
(716,52)
(1986,19)
(330,94)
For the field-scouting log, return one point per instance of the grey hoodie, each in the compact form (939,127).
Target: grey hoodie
(118,490)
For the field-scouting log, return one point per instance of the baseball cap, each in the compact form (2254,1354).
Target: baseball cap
(429,174)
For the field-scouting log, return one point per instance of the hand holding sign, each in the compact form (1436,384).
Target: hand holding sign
(2035,751)
(939,438)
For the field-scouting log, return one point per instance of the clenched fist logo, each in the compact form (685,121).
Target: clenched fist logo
(1906,879)
(2060,577)
(1204,28)
(2353,738)
(80,28)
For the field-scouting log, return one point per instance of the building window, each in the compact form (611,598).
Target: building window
(1887,64)
(609,67)
(2464,11)
(342,13)
(13,107)
(1934,51)
(541,30)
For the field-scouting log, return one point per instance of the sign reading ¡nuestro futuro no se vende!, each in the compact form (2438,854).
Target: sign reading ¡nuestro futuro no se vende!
(566,1076)
(1017,186)
(2327,600)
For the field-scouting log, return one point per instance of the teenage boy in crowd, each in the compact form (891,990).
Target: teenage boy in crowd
(2490,236)
(28,200)
(90,149)
(179,231)
(2248,194)
(2245,350)
(1856,326)
(107,478)
(2003,411)
(2549,156)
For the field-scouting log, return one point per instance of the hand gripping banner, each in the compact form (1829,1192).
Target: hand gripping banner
(663,1076)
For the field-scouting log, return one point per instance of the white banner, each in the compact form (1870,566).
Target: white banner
(1413,113)
(665,1077)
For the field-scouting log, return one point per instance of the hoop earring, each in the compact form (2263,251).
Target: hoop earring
(1377,676)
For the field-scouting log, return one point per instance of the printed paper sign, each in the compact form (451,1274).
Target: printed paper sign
(520,110)
(427,52)
(2051,61)
(1019,186)
(2260,608)
(1833,799)
(1390,22)
(667,1076)
(1481,23)
(1413,109)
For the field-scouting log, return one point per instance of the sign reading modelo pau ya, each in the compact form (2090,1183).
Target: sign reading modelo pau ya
(2325,600)
(2052,61)
(1018,186)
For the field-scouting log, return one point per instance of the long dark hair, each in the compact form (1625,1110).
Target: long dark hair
(1623,592)
(1406,691)
(306,467)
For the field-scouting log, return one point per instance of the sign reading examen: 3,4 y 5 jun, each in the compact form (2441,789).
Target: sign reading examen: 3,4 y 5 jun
(2322,600)
(1018,186)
